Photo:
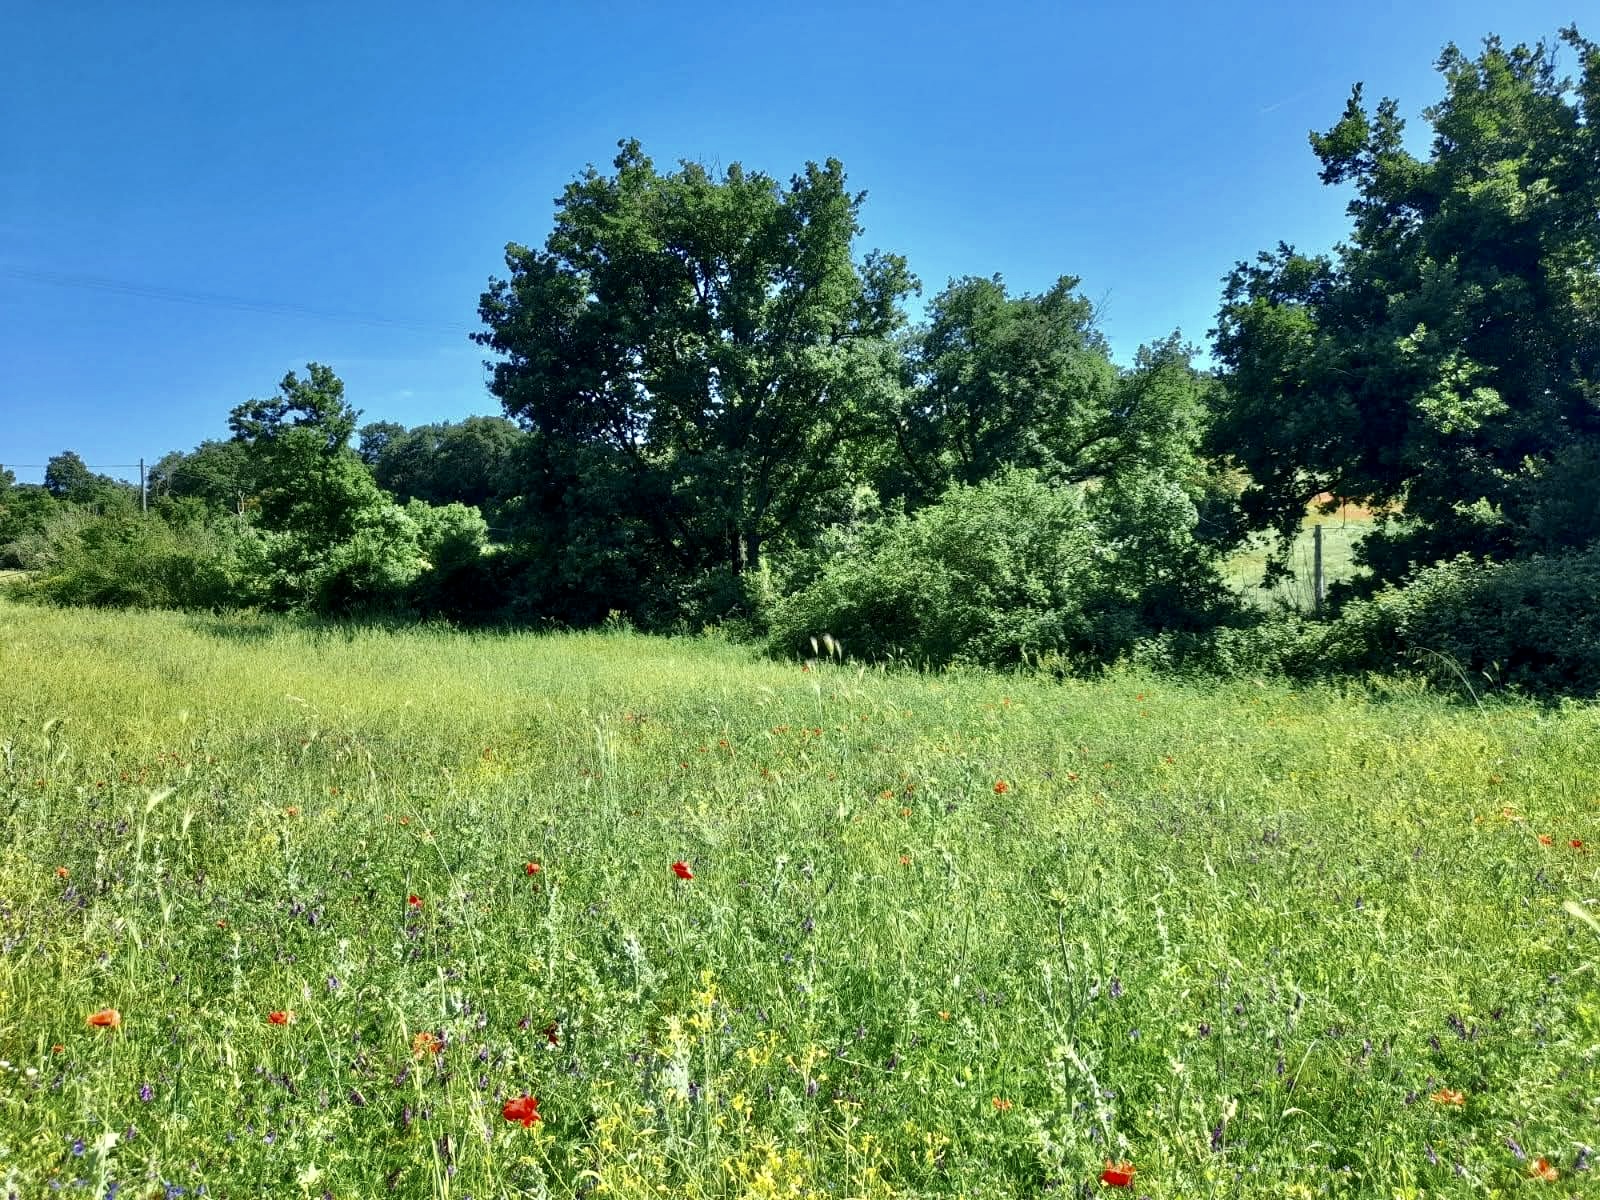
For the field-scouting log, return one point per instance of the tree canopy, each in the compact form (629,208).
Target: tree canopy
(1444,362)
(703,351)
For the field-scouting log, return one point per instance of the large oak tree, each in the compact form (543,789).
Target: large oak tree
(702,360)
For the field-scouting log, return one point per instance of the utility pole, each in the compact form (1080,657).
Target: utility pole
(1316,567)
(144,493)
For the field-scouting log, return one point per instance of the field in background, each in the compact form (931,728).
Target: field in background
(945,935)
(1341,532)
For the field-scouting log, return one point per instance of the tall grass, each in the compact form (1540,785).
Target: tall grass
(1237,936)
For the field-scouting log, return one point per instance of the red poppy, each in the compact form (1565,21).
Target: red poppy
(106,1018)
(62,873)
(414,900)
(280,1017)
(681,870)
(532,868)
(524,1109)
(1542,1170)
(1001,788)
(1576,843)
(1546,840)
(1117,1174)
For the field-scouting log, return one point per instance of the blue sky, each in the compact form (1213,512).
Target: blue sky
(198,197)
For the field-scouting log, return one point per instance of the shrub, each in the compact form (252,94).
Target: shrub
(1531,623)
(126,561)
(1007,570)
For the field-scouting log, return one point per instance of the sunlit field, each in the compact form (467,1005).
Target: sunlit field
(368,913)
(1342,532)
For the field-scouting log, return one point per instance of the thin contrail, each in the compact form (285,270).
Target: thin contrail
(1300,95)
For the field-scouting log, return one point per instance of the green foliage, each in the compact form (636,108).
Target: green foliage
(376,437)
(1531,623)
(371,570)
(1004,381)
(1563,511)
(1445,361)
(285,516)
(125,561)
(472,462)
(1010,570)
(24,510)
(67,478)
(1152,571)
(308,484)
(461,580)
(1027,381)
(332,541)
(710,346)
(217,473)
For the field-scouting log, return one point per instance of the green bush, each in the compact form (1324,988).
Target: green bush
(128,561)
(1006,571)
(1531,624)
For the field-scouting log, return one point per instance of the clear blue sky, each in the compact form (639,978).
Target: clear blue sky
(307,164)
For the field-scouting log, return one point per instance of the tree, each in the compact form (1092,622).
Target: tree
(1444,363)
(467,462)
(308,481)
(708,345)
(66,477)
(376,437)
(1027,382)
(1024,381)
(215,472)
(25,509)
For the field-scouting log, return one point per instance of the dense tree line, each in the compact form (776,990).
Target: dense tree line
(717,410)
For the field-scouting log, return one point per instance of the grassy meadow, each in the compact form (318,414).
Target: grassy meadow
(352,893)
(1342,531)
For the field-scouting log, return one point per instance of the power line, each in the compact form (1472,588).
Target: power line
(145,291)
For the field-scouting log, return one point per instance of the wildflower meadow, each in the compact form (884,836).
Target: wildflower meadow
(289,910)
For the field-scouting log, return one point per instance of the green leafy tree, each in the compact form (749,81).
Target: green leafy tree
(376,437)
(1008,381)
(1444,363)
(25,509)
(67,477)
(308,481)
(218,473)
(472,462)
(703,351)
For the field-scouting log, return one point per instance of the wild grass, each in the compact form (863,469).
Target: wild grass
(1237,936)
